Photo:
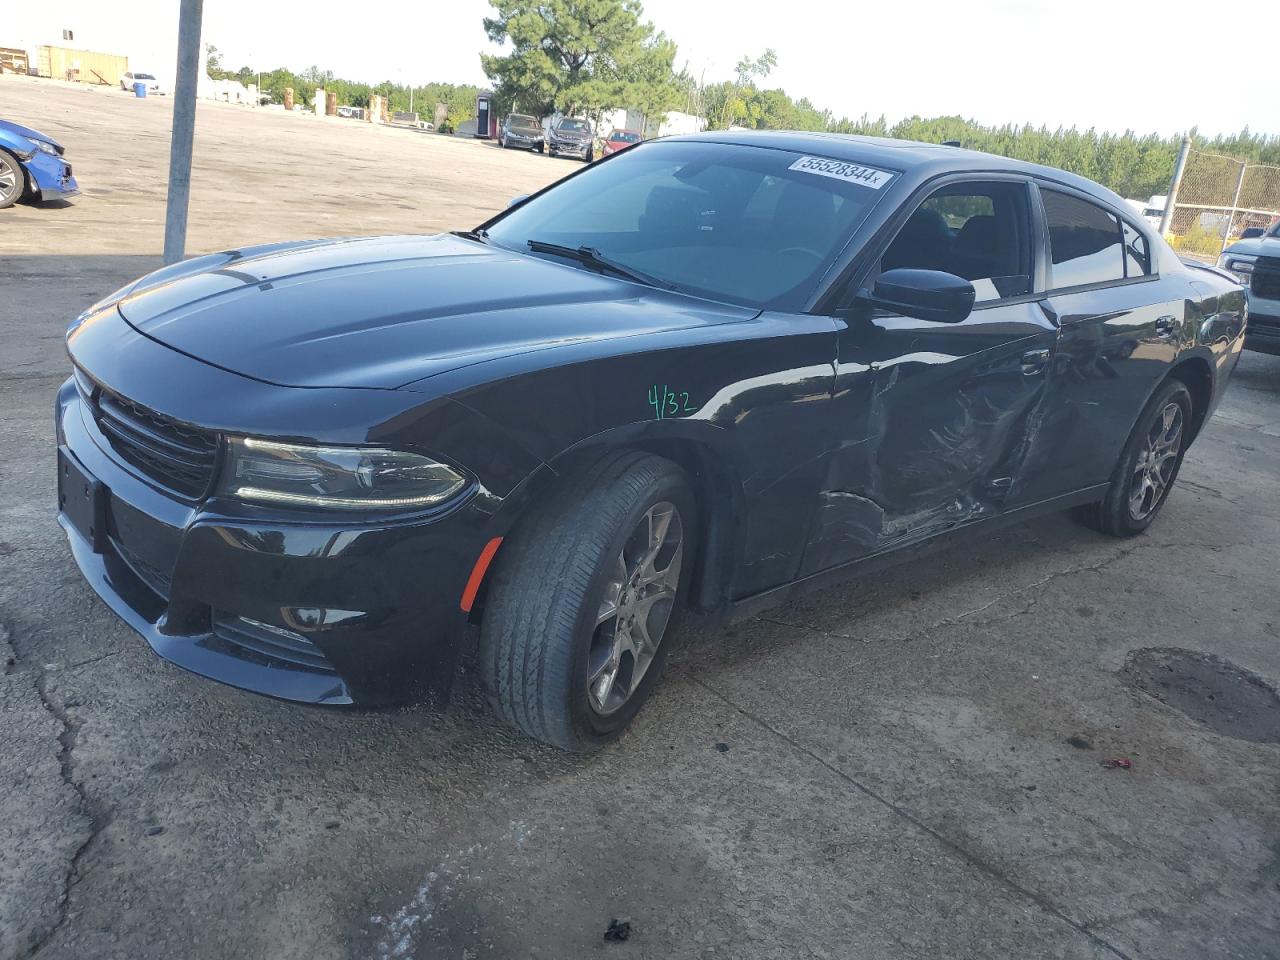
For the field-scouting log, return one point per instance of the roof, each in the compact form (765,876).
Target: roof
(925,160)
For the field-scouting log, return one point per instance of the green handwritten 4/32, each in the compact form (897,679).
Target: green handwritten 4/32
(669,403)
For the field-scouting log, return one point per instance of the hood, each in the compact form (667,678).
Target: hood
(384,312)
(27,132)
(573,134)
(1257,247)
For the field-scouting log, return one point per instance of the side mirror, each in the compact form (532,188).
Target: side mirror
(516,201)
(923,294)
(1252,233)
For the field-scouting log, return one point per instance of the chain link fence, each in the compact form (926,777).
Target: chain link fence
(1217,199)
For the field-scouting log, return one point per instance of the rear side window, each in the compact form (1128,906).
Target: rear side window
(1086,242)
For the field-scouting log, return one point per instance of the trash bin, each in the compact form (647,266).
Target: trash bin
(139,89)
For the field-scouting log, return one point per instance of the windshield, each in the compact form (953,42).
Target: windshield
(522,120)
(625,136)
(749,225)
(143,76)
(573,125)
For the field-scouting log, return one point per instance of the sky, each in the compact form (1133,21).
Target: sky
(1155,66)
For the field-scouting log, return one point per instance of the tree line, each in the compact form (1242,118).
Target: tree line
(590,57)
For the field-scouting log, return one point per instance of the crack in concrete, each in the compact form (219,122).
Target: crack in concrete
(88,808)
(969,856)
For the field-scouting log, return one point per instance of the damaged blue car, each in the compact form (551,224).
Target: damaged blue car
(31,165)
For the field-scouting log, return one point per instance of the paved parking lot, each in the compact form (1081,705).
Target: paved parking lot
(911,765)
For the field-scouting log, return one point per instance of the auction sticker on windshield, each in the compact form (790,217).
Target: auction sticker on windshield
(841,170)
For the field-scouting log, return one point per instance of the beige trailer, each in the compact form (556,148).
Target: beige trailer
(84,66)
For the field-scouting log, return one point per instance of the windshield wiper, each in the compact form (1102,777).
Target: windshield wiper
(591,257)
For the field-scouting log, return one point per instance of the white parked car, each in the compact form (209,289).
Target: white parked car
(153,85)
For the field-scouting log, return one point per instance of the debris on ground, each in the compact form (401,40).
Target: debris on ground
(618,931)
(1118,763)
(1079,742)
(722,747)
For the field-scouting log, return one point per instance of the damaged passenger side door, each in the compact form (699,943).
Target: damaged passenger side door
(933,419)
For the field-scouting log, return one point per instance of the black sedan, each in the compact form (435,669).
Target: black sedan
(522,132)
(702,375)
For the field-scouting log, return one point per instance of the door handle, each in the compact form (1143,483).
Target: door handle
(1166,327)
(1034,362)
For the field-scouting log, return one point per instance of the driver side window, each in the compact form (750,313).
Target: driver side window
(979,231)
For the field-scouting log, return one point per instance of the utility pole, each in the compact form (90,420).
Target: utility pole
(1166,219)
(184,130)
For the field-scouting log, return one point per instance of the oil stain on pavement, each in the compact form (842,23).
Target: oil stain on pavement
(1225,698)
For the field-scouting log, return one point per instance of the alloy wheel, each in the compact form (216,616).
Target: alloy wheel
(10,179)
(1156,462)
(638,599)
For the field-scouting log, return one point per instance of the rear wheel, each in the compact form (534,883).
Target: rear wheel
(1148,466)
(583,596)
(13,180)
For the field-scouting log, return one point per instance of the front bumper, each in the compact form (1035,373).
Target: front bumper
(51,177)
(1263,332)
(518,140)
(571,148)
(317,612)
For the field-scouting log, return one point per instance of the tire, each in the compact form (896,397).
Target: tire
(546,631)
(13,180)
(1139,487)
(541,148)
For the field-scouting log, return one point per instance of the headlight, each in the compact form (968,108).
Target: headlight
(44,147)
(1241,264)
(341,478)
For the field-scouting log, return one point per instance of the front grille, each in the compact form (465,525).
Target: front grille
(1266,278)
(173,454)
(264,643)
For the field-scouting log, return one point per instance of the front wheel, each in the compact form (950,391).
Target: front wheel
(1148,466)
(13,180)
(584,594)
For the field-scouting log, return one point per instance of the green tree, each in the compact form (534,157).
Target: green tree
(576,56)
(654,88)
(213,63)
(737,102)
